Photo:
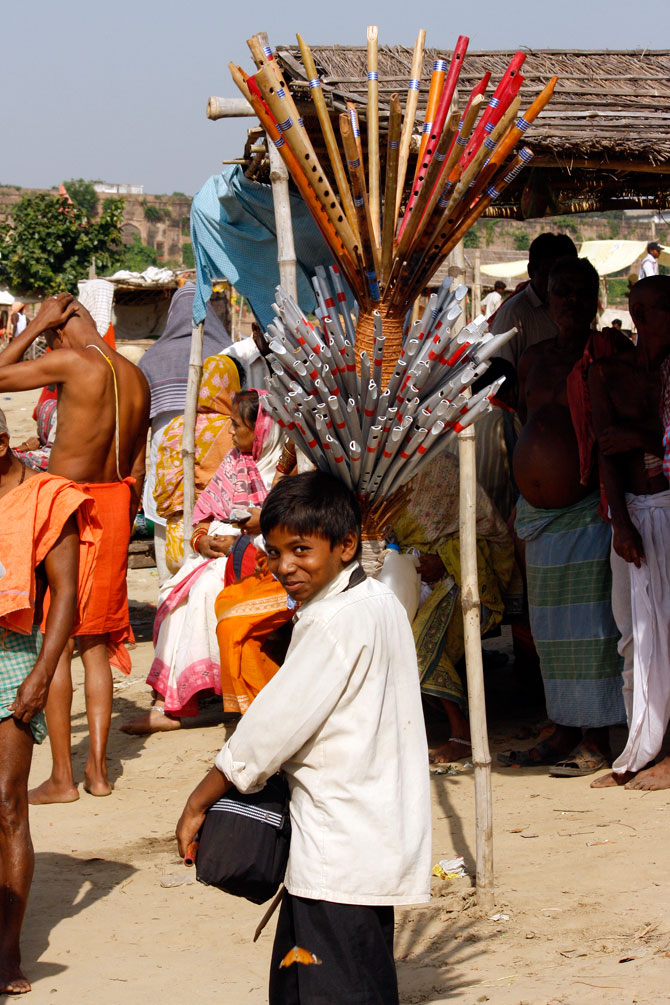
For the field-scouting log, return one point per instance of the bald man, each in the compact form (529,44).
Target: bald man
(627,397)
(103,417)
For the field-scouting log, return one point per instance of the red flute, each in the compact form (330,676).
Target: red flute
(512,71)
(433,129)
(191,852)
(448,89)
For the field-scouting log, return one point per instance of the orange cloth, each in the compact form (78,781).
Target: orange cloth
(109,337)
(33,516)
(248,613)
(107,611)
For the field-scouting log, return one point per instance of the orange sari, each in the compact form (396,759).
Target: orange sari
(250,614)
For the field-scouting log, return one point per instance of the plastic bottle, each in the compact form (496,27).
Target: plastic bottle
(400,574)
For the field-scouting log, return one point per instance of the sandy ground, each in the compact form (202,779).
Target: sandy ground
(581,876)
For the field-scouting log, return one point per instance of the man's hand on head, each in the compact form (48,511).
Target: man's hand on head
(56,311)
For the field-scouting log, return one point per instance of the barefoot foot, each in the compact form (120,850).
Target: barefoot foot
(456,749)
(97,785)
(53,792)
(654,778)
(12,980)
(611,780)
(153,721)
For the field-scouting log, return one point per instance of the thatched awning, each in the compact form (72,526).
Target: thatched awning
(602,143)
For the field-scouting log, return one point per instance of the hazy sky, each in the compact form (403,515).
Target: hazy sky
(118,90)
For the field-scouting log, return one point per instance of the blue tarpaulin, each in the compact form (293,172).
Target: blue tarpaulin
(234,237)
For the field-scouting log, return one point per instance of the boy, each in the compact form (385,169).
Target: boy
(342,717)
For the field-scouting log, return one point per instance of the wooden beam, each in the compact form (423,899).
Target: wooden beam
(595,164)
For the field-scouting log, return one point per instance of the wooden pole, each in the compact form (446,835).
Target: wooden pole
(188,438)
(481,757)
(283,223)
(477,285)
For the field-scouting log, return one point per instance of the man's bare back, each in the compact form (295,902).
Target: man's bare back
(85,445)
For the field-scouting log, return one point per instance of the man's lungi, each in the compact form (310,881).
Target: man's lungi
(18,654)
(569,598)
(641,601)
(107,610)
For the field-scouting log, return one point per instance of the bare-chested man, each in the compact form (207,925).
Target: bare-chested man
(566,544)
(47,539)
(626,392)
(103,416)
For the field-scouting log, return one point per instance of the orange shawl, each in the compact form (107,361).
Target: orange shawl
(249,615)
(33,516)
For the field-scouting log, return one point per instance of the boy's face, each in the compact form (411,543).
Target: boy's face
(304,565)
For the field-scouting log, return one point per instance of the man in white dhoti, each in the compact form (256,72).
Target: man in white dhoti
(628,399)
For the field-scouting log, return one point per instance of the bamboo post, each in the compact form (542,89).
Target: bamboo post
(188,438)
(283,223)
(481,757)
(477,285)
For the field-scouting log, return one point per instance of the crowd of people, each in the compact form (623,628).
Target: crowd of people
(268,612)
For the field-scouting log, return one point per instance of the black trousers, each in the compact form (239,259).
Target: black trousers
(354,944)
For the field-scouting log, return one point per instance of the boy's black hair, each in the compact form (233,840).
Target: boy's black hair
(315,504)
(247,404)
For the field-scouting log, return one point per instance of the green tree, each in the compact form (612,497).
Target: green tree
(522,241)
(83,195)
(471,239)
(136,257)
(187,255)
(48,244)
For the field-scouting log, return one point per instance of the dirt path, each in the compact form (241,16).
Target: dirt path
(582,891)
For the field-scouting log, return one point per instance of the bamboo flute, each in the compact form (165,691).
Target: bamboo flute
(510,73)
(342,299)
(352,112)
(431,135)
(508,142)
(321,217)
(417,205)
(434,92)
(328,134)
(298,141)
(410,115)
(448,91)
(392,156)
(373,132)
(357,176)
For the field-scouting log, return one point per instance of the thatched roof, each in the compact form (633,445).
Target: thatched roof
(602,143)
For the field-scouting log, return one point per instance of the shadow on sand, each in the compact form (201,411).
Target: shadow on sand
(63,886)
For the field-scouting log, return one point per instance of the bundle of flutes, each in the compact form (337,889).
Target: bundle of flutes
(389,234)
(372,434)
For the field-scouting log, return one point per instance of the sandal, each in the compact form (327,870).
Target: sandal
(546,755)
(582,761)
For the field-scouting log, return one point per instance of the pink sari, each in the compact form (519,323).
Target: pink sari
(187,658)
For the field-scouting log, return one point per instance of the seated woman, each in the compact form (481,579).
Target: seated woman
(186,661)
(430,523)
(213,439)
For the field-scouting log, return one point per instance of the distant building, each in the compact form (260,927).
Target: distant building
(110,188)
